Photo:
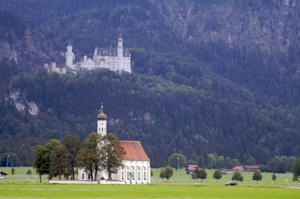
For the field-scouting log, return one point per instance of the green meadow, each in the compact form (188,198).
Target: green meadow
(180,185)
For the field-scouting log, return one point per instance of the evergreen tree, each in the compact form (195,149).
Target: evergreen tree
(274,177)
(217,175)
(257,176)
(13,171)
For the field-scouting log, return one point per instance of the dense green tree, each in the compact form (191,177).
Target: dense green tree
(281,167)
(41,161)
(111,154)
(296,168)
(217,174)
(220,162)
(168,172)
(13,171)
(72,145)
(257,176)
(89,157)
(251,161)
(177,160)
(59,161)
(274,177)
(237,176)
(201,173)
(28,172)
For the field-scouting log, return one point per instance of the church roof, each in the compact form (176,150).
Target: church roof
(134,151)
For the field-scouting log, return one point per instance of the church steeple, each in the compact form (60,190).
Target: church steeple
(102,122)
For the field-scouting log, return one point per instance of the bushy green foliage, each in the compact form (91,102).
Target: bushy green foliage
(177,160)
(166,173)
(217,174)
(257,176)
(237,176)
(201,173)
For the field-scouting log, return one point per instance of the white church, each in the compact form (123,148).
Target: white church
(115,59)
(136,163)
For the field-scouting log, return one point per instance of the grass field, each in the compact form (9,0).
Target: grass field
(180,185)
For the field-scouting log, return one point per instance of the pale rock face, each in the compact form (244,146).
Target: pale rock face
(21,104)
(33,109)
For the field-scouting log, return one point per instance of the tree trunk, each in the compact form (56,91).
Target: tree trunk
(40,178)
(73,173)
(59,173)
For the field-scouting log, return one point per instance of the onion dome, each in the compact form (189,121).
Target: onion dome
(102,116)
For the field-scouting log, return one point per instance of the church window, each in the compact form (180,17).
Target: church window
(127,175)
(89,176)
(133,175)
(82,176)
(102,129)
(144,175)
(122,175)
(139,176)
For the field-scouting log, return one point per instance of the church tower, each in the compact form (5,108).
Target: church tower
(120,46)
(102,122)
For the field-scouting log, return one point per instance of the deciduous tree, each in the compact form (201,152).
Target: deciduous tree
(41,161)
(177,160)
(217,174)
(89,155)
(72,145)
(201,173)
(237,176)
(274,177)
(296,168)
(111,154)
(257,176)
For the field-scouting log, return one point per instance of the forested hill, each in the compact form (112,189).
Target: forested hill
(209,77)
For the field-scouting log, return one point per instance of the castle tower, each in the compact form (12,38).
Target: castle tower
(69,57)
(120,46)
(102,122)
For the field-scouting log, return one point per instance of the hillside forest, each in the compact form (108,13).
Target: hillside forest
(192,91)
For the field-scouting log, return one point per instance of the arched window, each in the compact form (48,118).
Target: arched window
(82,176)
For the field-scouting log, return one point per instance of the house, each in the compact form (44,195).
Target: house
(2,175)
(227,171)
(238,168)
(251,168)
(246,168)
(136,163)
(191,168)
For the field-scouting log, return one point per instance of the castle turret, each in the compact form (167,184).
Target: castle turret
(69,57)
(102,122)
(120,46)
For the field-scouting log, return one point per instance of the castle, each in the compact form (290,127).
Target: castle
(115,59)
(136,169)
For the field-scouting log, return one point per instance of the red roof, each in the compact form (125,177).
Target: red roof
(134,151)
(252,167)
(239,167)
(192,167)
